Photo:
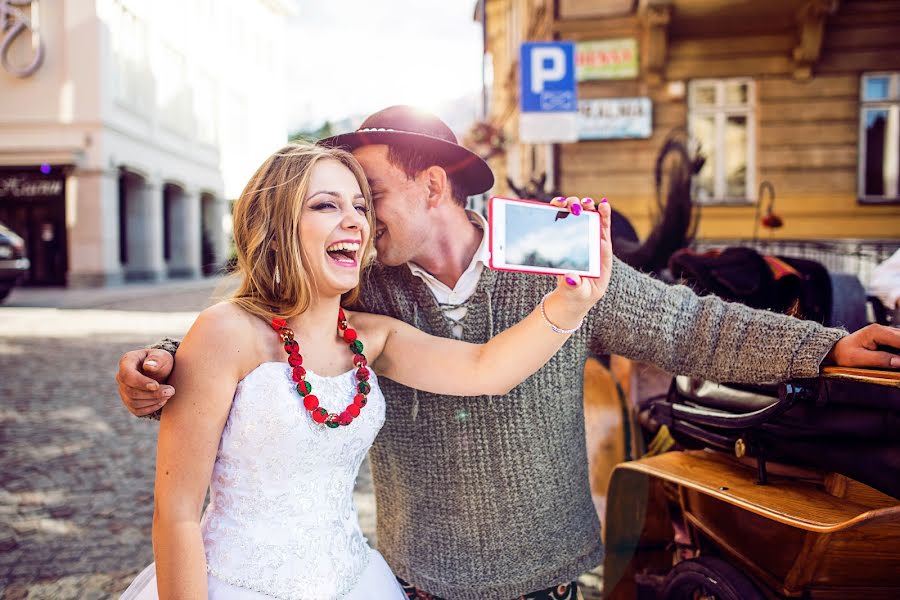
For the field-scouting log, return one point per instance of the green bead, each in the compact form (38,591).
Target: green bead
(357,347)
(332,424)
(304,387)
(364,387)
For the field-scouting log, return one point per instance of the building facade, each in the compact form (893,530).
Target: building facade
(802,94)
(126,126)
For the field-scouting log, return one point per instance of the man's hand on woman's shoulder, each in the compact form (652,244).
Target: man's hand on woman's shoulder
(142,376)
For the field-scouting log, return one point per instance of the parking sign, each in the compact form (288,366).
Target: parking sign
(548,93)
(548,77)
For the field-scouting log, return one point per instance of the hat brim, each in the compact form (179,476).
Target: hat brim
(467,168)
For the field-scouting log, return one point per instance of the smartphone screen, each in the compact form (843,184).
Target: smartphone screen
(539,238)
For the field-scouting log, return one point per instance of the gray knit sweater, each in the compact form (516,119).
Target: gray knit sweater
(487,498)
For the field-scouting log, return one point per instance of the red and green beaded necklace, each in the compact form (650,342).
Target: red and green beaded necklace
(304,388)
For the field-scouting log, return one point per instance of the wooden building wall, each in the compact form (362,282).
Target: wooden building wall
(807,131)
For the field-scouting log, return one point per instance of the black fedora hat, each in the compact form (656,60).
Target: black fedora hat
(407,126)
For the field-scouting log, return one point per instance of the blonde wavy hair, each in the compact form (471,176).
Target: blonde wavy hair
(267,232)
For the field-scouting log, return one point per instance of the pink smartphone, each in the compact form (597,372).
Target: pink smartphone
(534,237)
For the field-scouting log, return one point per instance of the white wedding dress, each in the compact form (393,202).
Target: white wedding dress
(281,521)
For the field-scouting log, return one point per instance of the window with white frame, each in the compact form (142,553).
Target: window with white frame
(722,122)
(879,137)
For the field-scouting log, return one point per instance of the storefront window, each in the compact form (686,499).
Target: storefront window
(721,123)
(879,139)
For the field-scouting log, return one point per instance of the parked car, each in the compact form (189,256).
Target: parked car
(13,263)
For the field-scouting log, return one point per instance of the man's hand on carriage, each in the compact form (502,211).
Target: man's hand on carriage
(875,346)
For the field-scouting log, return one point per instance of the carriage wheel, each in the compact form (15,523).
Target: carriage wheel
(709,578)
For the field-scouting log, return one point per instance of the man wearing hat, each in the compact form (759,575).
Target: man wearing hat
(488,498)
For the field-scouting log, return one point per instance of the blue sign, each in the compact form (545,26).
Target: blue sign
(548,77)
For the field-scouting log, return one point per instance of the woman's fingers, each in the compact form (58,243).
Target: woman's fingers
(605,211)
(575,204)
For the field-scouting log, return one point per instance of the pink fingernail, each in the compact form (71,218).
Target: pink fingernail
(571,281)
(576,209)
(587,200)
(558,199)
(604,200)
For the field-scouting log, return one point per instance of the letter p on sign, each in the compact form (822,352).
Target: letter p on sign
(548,63)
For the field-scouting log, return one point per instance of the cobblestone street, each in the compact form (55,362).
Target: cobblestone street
(76,469)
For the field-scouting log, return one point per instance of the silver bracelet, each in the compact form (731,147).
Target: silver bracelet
(554,327)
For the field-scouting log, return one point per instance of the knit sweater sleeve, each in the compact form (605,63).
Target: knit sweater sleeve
(645,319)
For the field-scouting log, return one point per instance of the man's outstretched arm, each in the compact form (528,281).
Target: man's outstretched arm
(142,378)
(672,327)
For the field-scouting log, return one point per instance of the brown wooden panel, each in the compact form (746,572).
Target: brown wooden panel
(613,160)
(601,146)
(809,157)
(870,6)
(667,115)
(866,556)
(876,376)
(750,66)
(611,89)
(793,502)
(808,134)
(851,16)
(613,186)
(818,87)
(854,62)
(769,553)
(809,111)
(590,29)
(811,181)
(700,48)
(569,9)
(884,38)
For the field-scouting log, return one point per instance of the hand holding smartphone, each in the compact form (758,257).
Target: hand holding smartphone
(530,237)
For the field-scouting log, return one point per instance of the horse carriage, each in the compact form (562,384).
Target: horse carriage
(744,492)
(736,525)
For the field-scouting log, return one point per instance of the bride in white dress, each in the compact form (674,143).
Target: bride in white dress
(278,401)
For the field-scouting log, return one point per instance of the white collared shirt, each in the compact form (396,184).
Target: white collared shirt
(467,282)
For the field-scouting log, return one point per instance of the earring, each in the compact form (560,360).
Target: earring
(277,276)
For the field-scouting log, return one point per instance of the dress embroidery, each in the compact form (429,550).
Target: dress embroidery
(281,519)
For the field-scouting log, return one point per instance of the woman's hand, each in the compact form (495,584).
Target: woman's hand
(576,295)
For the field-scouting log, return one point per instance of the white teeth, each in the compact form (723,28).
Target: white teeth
(350,246)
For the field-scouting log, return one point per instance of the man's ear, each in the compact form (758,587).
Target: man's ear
(438,185)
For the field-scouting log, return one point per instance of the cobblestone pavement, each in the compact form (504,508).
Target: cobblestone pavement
(76,469)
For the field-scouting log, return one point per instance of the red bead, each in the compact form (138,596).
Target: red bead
(299,374)
(278,324)
(319,415)
(349,335)
(353,410)
(359,360)
(291,347)
(362,374)
(311,402)
(359,400)
(345,418)
(295,360)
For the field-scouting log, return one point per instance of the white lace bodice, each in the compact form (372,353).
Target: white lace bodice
(281,519)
